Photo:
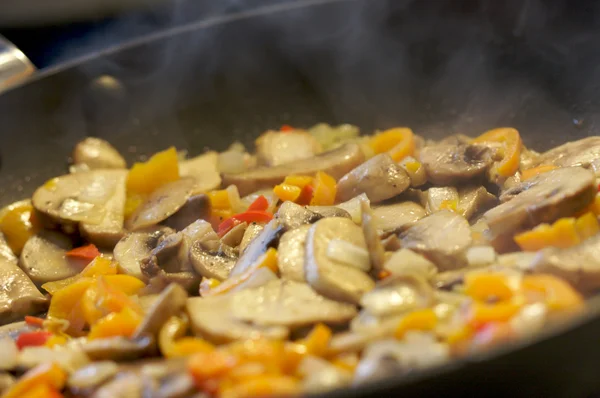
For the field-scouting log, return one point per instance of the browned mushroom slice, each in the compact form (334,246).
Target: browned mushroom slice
(398,294)
(443,237)
(288,303)
(162,203)
(79,197)
(405,261)
(448,164)
(438,198)
(97,153)
(336,162)
(118,348)
(545,198)
(135,247)
(329,211)
(211,318)
(291,253)
(110,229)
(170,302)
(291,215)
(473,200)
(211,263)
(251,232)
(275,148)
(575,153)
(44,258)
(397,217)
(234,236)
(18,294)
(580,265)
(204,170)
(323,272)
(6,252)
(380,178)
(196,207)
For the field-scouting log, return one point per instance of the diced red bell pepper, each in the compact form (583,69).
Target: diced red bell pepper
(32,339)
(226,226)
(286,128)
(88,252)
(306,195)
(34,321)
(260,204)
(254,216)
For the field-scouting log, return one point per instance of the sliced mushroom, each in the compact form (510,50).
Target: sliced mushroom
(397,217)
(97,153)
(118,348)
(196,207)
(92,376)
(276,148)
(170,302)
(336,162)
(44,258)
(443,237)
(398,294)
(405,261)
(135,247)
(582,152)
(211,318)
(6,252)
(126,386)
(291,215)
(380,178)
(209,263)
(110,229)
(323,273)
(251,232)
(545,198)
(291,253)
(579,265)
(162,203)
(370,231)
(329,211)
(234,236)
(79,197)
(438,198)
(204,170)
(289,304)
(474,200)
(449,164)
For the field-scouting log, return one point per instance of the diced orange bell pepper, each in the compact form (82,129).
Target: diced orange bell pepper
(64,301)
(87,252)
(298,181)
(34,321)
(565,233)
(398,142)
(99,266)
(530,173)
(346,361)
(317,341)
(484,286)
(557,294)
(294,353)
(422,320)
(482,313)
(123,323)
(269,353)
(109,294)
(587,225)
(265,385)
(287,192)
(536,239)
(160,169)
(325,189)
(18,225)
(511,156)
(127,284)
(42,391)
(458,339)
(49,374)
(205,366)
(187,346)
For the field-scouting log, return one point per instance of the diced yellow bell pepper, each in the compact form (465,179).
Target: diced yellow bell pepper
(449,204)
(42,391)
(346,361)
(565,233)
(205,366)
(422,320)
(298,181)
(56,340)
(18,225)
(269,353)
(174,328)
(265,385)
(413,167)
(325,189)
(587,225)
(123,323)
(49,374)
(317,341)
(132,202)
(536,239)
(162,168)
(187,346)
(484,286)
(98,266)
(482,313)
(512,144)
(287,192)
(530,173)
(109,294)
(398,142)
(219,199)
(557,294)
(64,300)
(127,284)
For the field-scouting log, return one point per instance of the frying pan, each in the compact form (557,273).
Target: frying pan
(439,67)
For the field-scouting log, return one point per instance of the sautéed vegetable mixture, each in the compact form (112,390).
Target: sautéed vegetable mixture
(318,259)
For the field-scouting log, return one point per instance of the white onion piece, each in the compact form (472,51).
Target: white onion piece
(405,261)
(349,254)
(352,206)
(10,353)
(93,375)
(530,319)
(479,256)
(260,277)
(231,162)
(234,198)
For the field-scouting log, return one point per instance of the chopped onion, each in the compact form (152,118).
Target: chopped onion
(93,375)
(349,254)
(234,198)
(405,261)
(231,161)
(479,256)
(530,319)
(260,277)
(10,353)
(352,206)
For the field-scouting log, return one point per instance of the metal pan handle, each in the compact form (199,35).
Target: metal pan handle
(15,67)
